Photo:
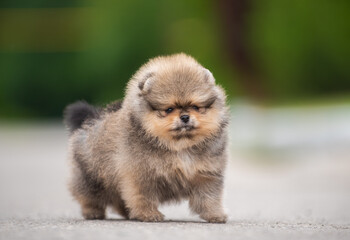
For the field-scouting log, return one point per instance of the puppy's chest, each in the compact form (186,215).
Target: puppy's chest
(183,166)
(187,164)
(173,177)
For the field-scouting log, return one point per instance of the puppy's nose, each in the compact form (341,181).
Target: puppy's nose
(185,118)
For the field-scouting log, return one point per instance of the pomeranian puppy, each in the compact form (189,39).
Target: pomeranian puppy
(165,142)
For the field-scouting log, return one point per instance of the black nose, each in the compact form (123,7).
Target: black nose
(185,118)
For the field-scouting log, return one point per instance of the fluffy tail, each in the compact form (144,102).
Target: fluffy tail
(77,113)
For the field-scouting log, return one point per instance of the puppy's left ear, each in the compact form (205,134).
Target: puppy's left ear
(146,82)
(209,76)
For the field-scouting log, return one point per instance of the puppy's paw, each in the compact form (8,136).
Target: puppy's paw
(154,216)
(222,218)
(92,214)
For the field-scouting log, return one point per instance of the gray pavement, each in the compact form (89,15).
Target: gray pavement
(65,228)
(305,198)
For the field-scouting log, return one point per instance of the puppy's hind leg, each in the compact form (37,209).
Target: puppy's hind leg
(89,194)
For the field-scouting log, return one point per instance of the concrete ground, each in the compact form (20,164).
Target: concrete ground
(303,195)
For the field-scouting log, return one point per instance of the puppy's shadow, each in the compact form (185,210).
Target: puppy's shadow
(167,221)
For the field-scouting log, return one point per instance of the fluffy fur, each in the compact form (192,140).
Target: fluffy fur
(137,154)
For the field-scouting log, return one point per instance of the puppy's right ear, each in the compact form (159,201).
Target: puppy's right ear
(146,83)
(209,76)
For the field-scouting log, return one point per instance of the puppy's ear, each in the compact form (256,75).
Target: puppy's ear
(209,76)
(146,82)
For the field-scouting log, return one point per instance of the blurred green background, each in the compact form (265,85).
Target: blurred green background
(53,52)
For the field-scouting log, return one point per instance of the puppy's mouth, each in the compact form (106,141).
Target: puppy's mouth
(184,128)
(184,131)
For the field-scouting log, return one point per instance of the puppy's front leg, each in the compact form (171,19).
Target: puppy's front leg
(206,199)
(140,207)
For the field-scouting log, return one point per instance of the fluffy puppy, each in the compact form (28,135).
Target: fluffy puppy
(166,141)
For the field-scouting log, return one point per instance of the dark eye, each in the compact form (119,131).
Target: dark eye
(169,110)
(195,107)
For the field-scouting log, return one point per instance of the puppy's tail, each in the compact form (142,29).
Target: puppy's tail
(77,113)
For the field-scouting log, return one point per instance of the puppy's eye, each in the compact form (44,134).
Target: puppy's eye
(169,110)
(195,107)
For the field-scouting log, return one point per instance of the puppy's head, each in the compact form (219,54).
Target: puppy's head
(179,102)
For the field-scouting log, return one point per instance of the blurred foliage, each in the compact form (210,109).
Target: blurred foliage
(58,51)
(303,46)
(42,3)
